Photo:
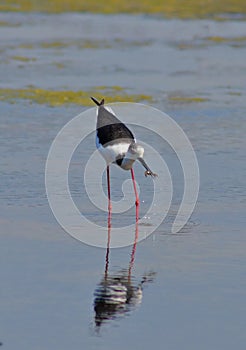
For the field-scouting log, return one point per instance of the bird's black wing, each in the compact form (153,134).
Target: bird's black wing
(110,128)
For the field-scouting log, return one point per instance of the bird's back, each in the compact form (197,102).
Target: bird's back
(110,128)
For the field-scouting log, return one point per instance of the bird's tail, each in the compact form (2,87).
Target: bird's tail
(97,102)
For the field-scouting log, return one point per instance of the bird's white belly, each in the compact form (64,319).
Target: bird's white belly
(112,152)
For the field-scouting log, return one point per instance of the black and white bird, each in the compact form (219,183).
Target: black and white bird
(117,144)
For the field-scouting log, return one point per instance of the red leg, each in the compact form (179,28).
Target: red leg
(109,198)
(107,253)
(133,252)
(136,193)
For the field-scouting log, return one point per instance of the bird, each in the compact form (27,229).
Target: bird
(117,144)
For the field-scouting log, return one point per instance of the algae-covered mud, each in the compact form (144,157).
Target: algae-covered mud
(179,8)
(59,98)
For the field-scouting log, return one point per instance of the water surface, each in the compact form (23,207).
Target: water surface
(185,290)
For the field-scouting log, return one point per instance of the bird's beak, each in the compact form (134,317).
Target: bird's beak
(148,171)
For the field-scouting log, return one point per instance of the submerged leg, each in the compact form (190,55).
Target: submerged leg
(107,253)
(136,193)
(133,252)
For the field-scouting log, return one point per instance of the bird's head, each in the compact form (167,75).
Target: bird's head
(135,151)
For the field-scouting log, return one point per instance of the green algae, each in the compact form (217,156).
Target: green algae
(60,98)
(26,46)
(23,58)
(54,45)
(168,8)
(9,24)
(81,44)
(187,99)
(220,39)
(236,42)
(59,65)
(234,93)
(86,44)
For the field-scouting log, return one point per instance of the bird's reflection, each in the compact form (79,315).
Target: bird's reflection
(119,293)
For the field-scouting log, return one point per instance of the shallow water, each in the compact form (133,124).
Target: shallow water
(185,290)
